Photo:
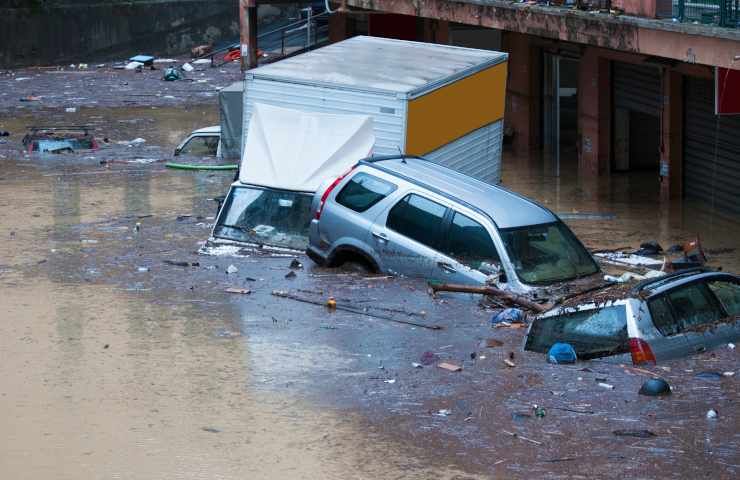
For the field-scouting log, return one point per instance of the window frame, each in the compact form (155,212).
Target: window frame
(442,226)
(181,148)
(393,186)
(711,297)
(733,281)
(447,229)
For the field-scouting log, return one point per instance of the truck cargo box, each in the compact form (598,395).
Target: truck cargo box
(443,102)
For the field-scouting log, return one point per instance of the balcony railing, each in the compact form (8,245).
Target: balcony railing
(724,13)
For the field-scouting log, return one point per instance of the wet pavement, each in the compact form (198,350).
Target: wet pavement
(117,364)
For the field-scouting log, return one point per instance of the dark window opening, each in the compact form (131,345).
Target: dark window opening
(418,219)
(363,191)
(469,242)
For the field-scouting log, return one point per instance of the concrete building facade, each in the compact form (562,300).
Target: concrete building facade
(617,90)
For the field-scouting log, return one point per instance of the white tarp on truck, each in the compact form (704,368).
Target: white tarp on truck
(295,150)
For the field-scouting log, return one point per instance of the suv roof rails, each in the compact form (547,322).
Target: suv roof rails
(671,276)
(380,158)
(370,161)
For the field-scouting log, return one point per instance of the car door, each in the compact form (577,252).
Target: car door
(691,308)
(671,342)
(350,214)
(408,234)
(723,327)
(468,254)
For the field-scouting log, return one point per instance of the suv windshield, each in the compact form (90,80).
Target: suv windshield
(266,217)
(547,253)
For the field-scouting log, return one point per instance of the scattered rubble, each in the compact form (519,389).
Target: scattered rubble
(450,366)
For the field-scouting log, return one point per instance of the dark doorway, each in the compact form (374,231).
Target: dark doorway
(644,146)
(560,108)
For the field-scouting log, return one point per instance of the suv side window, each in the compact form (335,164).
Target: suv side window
(660,311)
(419,219)
(363,191)
(693,306)
(728,294)
(683,309)
(469,242)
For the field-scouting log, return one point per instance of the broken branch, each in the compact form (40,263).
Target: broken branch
(492,292)
(358,311)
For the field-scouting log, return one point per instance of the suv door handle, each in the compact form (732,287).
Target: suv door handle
(381,236)
(700,348)
(446,267)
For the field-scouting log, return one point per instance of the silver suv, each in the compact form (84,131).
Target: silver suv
(406,215)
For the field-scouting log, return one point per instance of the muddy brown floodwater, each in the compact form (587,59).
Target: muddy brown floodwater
(115,364)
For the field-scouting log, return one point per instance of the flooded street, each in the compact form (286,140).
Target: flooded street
(117,364)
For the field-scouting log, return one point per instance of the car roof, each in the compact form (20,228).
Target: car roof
(213,129)
(506,208)
(659,285)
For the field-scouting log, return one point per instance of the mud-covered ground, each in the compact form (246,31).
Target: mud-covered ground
(118,364)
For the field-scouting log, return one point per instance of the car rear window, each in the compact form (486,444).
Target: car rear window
(363,191)
(266,216)
(592,333)
(418,218)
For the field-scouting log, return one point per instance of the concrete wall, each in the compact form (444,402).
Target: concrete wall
(37,32)
(700,44)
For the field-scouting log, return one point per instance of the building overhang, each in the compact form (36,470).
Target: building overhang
(698,44)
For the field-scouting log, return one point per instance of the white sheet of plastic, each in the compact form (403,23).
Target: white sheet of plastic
(295,150)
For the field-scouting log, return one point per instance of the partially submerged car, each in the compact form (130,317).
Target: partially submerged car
(287,155)
(204,142)
(667,317)
(406,215)
(59,139)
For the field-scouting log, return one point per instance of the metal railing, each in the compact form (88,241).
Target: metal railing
(723,13)
(284,41)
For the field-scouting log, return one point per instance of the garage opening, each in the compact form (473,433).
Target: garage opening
(637,108)
(711,172)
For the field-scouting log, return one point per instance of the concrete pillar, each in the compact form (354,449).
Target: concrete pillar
(248,33)
(337,27)
(523,91)
(671,137)
(435,31)
(594,114)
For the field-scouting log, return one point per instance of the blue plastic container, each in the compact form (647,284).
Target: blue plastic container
(561,353)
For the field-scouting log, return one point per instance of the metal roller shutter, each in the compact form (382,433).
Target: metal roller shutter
(637,88)
(711,150)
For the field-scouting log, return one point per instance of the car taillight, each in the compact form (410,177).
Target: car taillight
(641,352)
(328,191)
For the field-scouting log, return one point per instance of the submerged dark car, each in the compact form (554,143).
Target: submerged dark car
(64,139)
